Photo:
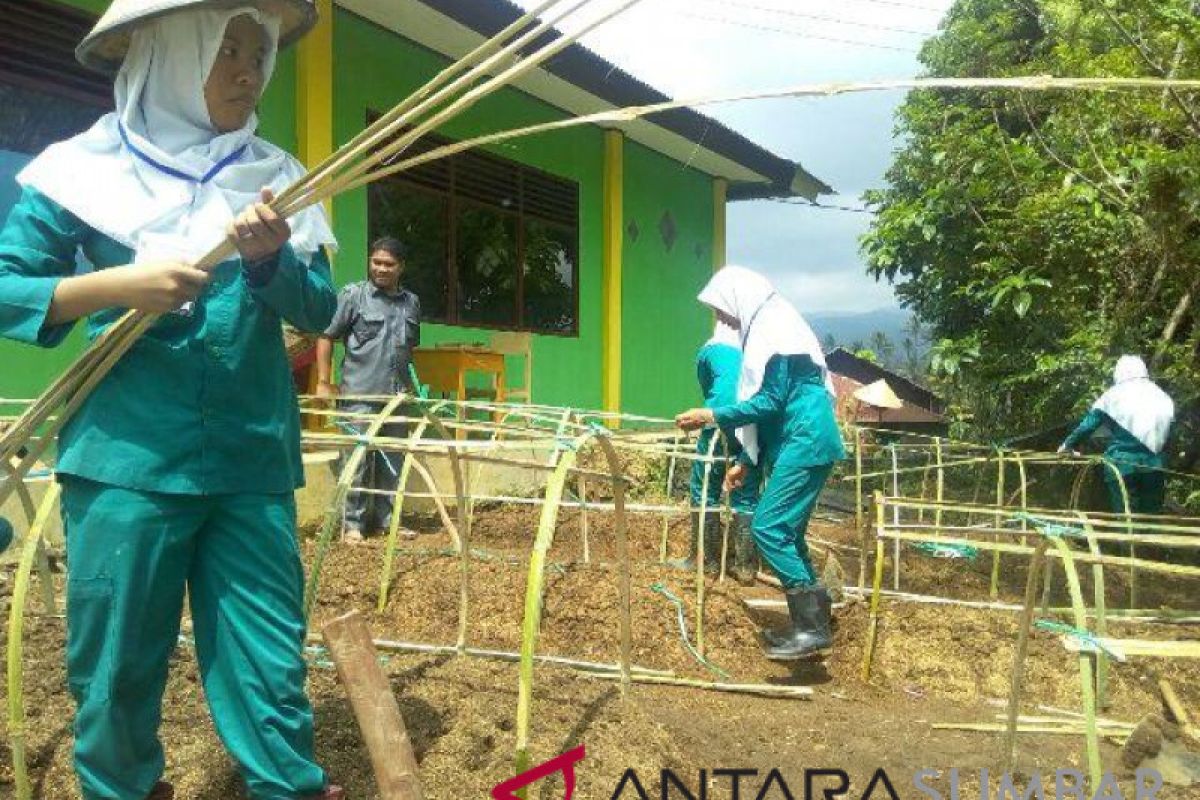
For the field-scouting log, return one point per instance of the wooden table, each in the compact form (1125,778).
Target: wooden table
(444,369)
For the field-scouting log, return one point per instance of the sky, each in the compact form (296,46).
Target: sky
(701,47)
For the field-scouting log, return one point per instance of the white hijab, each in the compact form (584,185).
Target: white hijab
(1137,404)
(768,326)
(723,334)
(105,176)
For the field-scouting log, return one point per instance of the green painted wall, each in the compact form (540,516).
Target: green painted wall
(373,69)
(663,323)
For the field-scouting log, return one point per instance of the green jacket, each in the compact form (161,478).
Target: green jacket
(717,369)
(794,414)
(202,404)
(1125,450)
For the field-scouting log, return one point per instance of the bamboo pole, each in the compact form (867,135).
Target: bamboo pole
(375,708)
(1102,664)
(1149,648)
(994,589)
(873,628)
(359,176)
(702,545)
(1149,566)
(625,588)
(1018,670)
(390,646)
(1146,522)
(1086,677)
(534,599)
(534,587)
(1120,480)
(450,75)
(583,520)
(762,689)
(858,489)
(16,631)
(389,551)
(41,562)
(1040,728)
(333,515)
(463,519)
(632,113)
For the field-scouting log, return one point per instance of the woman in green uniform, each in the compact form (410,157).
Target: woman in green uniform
(785,423)
(718,368)
(1137,415)
(179,471)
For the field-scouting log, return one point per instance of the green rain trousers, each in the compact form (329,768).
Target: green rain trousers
(799,443)
(743,500)
(781,522)
(1140,467)
(131,555)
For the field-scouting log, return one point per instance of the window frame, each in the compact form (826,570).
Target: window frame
(454,201)
(47,62)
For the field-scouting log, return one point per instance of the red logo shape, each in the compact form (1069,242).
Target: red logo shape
(564,764)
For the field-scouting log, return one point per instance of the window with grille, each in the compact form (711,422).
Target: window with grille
(45,94)
(491,243)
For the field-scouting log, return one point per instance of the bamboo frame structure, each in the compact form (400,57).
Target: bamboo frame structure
(572,435)
(375,154)
(1055,530)
(977,459)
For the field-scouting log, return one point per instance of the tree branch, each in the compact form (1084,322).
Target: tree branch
(1004,145)
(1061,162)
(1172,328)
(1112,179)
(1159,69)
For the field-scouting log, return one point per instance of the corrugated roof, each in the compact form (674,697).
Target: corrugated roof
(588,71)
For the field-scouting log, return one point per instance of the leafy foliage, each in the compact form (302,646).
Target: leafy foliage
(1039,236)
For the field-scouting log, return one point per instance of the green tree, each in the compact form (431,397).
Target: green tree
(884,348)
(1040,235)
(914,348)
(867,354)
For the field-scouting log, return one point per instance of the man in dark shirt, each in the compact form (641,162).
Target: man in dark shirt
(379,323)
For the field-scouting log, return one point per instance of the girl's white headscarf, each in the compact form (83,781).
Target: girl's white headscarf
(161,114)
(1137,404)
(768,325)
(723,334)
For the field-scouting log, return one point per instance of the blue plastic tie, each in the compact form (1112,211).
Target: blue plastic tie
(660,588)
(1086,637)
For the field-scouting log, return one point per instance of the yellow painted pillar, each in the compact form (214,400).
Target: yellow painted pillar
(614,230)
(314,119)
(720,222)
(314,89)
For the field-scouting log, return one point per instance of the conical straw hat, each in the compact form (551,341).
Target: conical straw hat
(104,48)
(880,395)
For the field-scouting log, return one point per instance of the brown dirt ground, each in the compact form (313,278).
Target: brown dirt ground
(934,664)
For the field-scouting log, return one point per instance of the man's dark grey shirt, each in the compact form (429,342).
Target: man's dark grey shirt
(379,330)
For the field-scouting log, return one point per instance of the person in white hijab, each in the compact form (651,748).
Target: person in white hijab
(1137,415)
(718,369)
(179,471)
(785,422)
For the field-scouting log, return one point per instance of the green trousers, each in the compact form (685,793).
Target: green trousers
(743,500)
(131,555)
(1147,491)
(781,521)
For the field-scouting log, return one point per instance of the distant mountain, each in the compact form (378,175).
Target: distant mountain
(850,328)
